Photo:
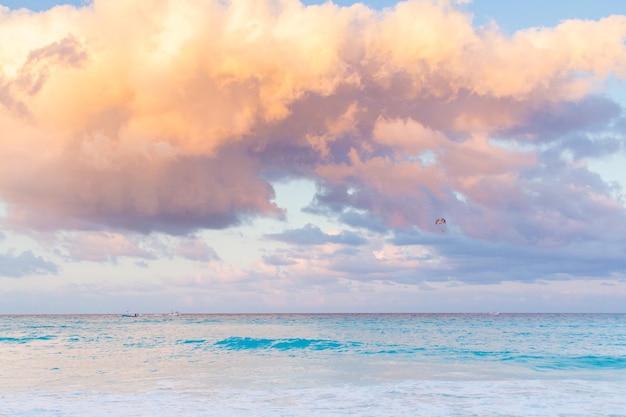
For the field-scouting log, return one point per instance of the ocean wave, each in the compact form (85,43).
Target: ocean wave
(250,343)
(585,362)
(25,339)
(191,342)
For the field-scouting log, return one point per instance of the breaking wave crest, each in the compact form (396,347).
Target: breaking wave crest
(250,343)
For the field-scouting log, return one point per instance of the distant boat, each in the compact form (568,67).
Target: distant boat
(494,313)
(127,314)
(174,313)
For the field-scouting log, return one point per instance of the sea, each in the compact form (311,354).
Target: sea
(313,365)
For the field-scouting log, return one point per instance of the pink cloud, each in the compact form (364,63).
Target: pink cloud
(195,248)
(103,246)
(174,116)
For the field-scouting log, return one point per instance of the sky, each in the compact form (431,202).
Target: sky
(269,156)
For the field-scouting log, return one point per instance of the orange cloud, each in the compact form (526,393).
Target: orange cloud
(171,115)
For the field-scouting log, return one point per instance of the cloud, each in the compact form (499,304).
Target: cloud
(417,257)
(555,120)
(25,264)
(278,260)
(104,247)
(483,262)
(163,116)
(313,235)
(111,246)
(196,249)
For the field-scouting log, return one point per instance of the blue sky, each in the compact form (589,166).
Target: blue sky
(511,16)
(238,159)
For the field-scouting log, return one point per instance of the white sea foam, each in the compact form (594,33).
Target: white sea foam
(407,398)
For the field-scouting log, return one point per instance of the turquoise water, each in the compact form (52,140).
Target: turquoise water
(320,365)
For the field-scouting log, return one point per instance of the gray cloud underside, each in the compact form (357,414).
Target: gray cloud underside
(25,264)
(313,235)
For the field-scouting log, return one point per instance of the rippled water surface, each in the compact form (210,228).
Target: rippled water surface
(321,365)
